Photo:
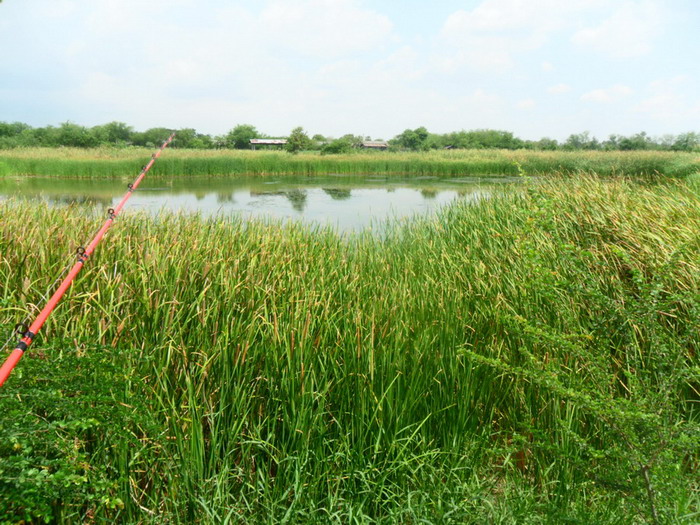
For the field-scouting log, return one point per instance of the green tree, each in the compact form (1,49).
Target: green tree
(583,140)
(151,137)
(687,142)
(639,141)
(341,145)
(336,146)
(491,138)
(218,141)
(47,137)
(413,139)
(12,134)
(239,137)
(298,140)
(613,142)
(344,144)
(13,129)
(480,139)
(189,138)
(355,141)
(202,141)
(75,136)
(113,133)
(547,144)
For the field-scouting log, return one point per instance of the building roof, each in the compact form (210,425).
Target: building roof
(267,142)
(375,144)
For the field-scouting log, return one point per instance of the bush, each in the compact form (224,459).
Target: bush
(67,436)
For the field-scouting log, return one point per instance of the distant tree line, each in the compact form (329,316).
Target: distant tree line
(421,139)
(119,134)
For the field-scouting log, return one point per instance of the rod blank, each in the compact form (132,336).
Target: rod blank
(28,336)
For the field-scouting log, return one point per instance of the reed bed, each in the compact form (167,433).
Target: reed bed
(106,162)
(529,357)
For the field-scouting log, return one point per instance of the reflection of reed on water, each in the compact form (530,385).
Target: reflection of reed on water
(78,199)
(338,194)
(223,198)
(297,198)
(258,193)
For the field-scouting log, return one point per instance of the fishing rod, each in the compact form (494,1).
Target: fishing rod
(28,333)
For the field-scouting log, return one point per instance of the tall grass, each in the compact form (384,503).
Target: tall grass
(117,162)
(529,357)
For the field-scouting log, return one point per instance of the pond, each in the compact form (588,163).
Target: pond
(348,203)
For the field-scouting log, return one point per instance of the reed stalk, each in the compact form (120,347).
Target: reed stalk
(528,356)
(106,162)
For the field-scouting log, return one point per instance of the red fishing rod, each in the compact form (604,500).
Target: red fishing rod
(28,333)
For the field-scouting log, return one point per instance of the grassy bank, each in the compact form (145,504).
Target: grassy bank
(530,358)
(68,162)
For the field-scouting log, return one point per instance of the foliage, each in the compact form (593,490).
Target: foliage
(298,141)
(119,134)
(69,433)
(151,137)
(639,141)
(546,144)
(240,136)
(686,142)
(479,139)
(104,162)
(412,139)
(116,133)
(188,138)
(581,141)
(13,129)
(529,358)
(341,145)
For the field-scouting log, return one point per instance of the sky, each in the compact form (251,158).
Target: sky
(538,68)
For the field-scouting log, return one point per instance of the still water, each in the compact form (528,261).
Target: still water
(348,203)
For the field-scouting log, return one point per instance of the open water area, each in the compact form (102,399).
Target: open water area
(346,203)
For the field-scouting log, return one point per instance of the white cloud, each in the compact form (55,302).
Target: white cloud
(559,89)
(275,67)
(668,101)
(629,32)
(605,96)
(325,28)
(493,16)
(338,66)
(663,106)
(667,84)
(405,63)
(495,32)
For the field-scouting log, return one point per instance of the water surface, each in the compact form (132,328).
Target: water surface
(345,202)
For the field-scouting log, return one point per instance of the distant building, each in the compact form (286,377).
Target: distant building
(268,142)
(375,144)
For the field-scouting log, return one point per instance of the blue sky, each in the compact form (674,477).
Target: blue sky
(535,67)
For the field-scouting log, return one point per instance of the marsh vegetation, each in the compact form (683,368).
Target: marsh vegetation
(532,356)
(111,162)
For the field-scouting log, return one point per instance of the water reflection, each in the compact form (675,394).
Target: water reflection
(297,198)
(338,194)
(345,202)
(79,200)
(224,198)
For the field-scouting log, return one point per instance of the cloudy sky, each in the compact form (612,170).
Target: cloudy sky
(535,67)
